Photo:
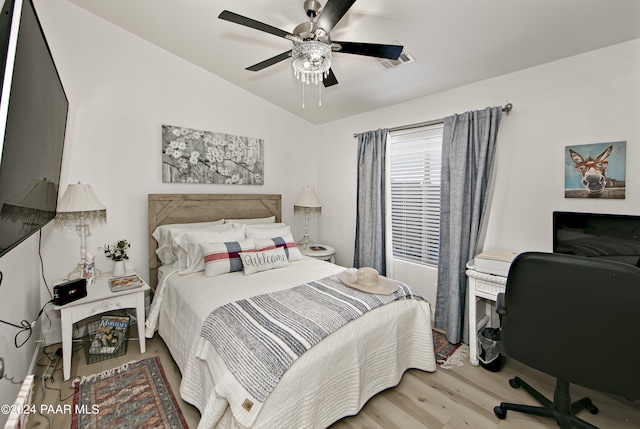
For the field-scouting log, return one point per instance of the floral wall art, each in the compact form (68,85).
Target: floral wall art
(194,156)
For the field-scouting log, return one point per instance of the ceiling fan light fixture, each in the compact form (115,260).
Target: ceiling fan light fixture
(311,61)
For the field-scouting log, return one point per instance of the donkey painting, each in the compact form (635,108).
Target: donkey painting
(593,171)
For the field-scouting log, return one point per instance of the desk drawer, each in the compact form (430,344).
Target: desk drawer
(488,288)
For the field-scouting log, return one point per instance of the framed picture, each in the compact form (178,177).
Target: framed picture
(194,156)
(596,170)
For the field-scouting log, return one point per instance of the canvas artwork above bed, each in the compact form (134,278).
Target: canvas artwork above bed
(228,282)
(195,156)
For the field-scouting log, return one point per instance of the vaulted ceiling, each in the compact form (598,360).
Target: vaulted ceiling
(453,42)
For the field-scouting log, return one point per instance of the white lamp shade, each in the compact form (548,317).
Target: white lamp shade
(307,199)
(79,202)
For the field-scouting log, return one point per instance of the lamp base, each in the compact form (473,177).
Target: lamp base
(78,273)
(305,242)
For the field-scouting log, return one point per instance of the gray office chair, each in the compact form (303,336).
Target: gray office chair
(562,314)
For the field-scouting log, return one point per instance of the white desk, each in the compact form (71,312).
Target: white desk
(99,300)
(481,286)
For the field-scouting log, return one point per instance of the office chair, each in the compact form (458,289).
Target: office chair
(559,314)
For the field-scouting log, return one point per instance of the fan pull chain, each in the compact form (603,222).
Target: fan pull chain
(319,94)
(303,94)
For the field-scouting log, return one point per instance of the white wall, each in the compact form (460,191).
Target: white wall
(590,98)
(20,299)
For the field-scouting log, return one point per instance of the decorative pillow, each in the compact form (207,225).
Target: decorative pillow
(220,258)
(180,254)
(264,231)
(262,261)
(253,221)
(162,234)
(190,255)
(285,242)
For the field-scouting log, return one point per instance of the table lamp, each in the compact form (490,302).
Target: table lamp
(80,207)
(307,202)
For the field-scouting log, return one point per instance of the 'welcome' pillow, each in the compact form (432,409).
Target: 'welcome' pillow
(261,261)
(220,258)
(286,242)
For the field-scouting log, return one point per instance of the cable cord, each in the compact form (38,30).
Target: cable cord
(44,393)
(11,380)
(24,325)
(42,264)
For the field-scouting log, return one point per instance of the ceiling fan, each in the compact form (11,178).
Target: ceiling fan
(312,44)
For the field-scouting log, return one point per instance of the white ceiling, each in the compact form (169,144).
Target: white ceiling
(454,43)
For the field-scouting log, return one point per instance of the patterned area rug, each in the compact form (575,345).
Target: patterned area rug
(135,395)
(447,354)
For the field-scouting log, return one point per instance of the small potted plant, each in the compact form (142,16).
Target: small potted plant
(117,252)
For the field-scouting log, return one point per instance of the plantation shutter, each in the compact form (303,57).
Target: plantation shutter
(415,165)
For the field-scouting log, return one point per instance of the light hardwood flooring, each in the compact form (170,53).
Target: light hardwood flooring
(461,397)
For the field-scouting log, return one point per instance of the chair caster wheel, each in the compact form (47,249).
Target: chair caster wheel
(500,412)
(514,383)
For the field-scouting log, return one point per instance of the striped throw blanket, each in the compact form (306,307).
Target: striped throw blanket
(259,338)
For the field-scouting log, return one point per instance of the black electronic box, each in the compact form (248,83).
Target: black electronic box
(70,291)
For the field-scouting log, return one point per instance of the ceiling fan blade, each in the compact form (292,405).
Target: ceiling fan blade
(330,80)
(391,52)
(331,13)
(271,61)
(252,23)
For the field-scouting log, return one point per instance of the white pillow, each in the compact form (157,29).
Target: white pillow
(262,231)
(256,220)
(285,242)
(190,258)
(220,258)
(163,237)
(179,254)
(254,262)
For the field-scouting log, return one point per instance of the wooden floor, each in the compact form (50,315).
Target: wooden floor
(457,398)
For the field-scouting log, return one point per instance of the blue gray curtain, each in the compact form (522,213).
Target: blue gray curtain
(370,243)
(468,151)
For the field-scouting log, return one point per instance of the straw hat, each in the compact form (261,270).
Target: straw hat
(368,280)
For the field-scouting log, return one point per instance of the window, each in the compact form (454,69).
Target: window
(415,158)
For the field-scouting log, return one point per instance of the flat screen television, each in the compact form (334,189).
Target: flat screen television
(608,236)
(33,118)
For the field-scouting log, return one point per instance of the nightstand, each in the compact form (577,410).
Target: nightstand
(320,251)
(99,300)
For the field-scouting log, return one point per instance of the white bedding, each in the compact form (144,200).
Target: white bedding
(338,375)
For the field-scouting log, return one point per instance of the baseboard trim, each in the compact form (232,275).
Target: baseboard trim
(34,359)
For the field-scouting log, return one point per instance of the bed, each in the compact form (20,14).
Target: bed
(333,379)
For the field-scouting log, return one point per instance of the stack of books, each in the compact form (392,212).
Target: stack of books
(118,284)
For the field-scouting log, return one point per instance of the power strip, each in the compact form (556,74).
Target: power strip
(48,373)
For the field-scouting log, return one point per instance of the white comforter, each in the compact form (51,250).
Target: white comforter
(332,380)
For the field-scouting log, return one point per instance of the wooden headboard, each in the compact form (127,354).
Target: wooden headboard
(185,208)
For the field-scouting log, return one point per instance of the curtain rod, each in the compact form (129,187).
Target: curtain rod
(506,108)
